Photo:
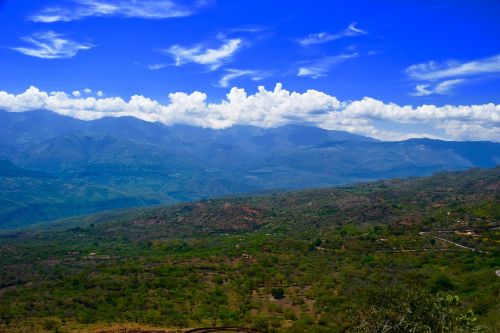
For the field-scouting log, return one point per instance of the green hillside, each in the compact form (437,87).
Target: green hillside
(352,259)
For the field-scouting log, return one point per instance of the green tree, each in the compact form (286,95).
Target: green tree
(399,311)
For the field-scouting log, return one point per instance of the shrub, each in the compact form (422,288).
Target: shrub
(51,325)
(278,293)
(399,311)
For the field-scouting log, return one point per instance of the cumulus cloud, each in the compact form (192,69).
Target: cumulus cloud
(51,45)
(211,57)
(324,37)
(271,108)
(146,9)
(450,74)
(87,91)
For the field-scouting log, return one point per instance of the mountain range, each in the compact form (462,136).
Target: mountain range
(52,166)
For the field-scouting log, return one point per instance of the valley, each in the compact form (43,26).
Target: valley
(276,262)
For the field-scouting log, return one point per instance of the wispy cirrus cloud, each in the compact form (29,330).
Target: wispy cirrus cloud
(232,74)
(440,78)
(433,71)
(245,29)
(441,88)
(211,57)
(146,9)
(51,45)
(321,67)
(155,67)
(324,37)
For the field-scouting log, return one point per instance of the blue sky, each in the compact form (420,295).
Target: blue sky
(404,52)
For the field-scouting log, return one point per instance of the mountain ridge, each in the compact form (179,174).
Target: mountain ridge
(128,160)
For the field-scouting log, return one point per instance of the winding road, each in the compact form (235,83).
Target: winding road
(223,329)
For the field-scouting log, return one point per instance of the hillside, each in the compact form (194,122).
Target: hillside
(62,167)
(279,262)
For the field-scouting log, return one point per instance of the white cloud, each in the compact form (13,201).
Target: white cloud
(433,71)
(99,93)
(321,67)
(146,9)
(324,37)
(441,88)
(422,90)
(213,58)
(51,45)
(446,86)
(248,28)
(155,67)
(450,74)
(76,93)
(275,108)
(231,74)
(87,90)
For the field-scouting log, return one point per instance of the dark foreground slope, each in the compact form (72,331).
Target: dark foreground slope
(281,262)
(53,167)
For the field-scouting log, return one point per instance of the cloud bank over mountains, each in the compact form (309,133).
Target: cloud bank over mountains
(272,108)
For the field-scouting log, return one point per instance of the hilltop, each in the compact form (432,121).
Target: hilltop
(276,262)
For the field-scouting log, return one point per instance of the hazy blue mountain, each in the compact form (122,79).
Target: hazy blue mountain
(8,169)
(53,166)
